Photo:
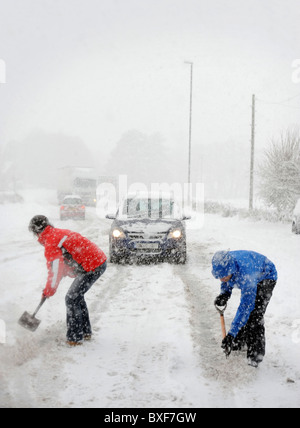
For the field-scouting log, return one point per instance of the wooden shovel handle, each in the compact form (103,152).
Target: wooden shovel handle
(223,325)
(221,311)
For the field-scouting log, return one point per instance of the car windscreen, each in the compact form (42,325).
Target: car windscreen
(148,208)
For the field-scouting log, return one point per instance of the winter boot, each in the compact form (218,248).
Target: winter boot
(72,344)
(252,363)
(87,337)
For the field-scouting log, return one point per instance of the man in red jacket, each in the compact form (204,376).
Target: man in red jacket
(70,254)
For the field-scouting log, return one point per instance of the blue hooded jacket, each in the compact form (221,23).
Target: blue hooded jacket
(247,268)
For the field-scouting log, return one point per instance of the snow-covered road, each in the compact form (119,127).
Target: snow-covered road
(157,335)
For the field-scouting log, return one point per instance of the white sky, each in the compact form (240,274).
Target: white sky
(98,68)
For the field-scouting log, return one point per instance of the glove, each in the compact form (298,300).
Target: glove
(49,292)
(227,344)
(222,299)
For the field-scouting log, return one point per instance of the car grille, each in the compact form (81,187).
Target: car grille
(143,236)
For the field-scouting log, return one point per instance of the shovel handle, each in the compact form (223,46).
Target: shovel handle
(220,309)
(40,305)
(221,312)
(223,326)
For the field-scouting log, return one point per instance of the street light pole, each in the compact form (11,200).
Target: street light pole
(190,127)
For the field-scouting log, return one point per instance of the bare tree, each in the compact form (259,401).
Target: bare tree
(279,172)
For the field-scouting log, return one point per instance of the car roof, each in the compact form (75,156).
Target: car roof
(149,195)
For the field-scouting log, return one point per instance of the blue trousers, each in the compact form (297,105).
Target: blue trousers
(78,321)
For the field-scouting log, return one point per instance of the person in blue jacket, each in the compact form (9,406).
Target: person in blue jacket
(255,275)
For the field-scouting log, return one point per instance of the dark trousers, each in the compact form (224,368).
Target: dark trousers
(253,333)
(78,321)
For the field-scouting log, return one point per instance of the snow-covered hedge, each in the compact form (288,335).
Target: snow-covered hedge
(228,210)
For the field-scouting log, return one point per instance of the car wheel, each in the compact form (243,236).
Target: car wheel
(114,259)
(182,255)
(181,258)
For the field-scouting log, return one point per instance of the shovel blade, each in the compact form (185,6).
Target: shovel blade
(29,321)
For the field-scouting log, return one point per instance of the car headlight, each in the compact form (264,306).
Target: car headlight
(118,233)
(175,234)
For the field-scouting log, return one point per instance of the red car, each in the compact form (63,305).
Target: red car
(72,207)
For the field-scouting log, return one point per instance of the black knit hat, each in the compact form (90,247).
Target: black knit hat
(38,223)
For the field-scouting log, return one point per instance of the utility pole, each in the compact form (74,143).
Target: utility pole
(252,154)
(190,128)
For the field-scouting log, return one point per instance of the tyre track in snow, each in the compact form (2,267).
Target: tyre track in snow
(145,357)
(201,290)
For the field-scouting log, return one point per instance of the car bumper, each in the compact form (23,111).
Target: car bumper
(127,249)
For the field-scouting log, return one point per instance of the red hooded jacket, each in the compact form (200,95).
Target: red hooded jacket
(67,254)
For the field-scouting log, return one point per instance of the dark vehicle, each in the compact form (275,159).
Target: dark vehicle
(147,228)
(72,207)
(77,181)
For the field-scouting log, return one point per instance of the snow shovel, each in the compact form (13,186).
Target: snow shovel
(221,311)
(29,321)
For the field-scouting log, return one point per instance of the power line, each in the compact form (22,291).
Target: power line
(281,102)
